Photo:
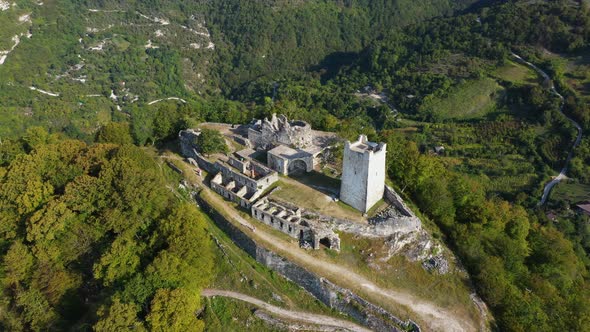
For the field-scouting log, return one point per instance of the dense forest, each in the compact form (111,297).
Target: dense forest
(92,237)
(441,77)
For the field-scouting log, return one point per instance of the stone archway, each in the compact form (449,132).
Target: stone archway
(297,167)
(326,242)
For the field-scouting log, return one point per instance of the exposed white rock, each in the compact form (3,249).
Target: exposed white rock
(150,45)
(81,79)
(53,94)
(159,33)
(25,18)
(4,5)
(98,47)
(199,33)
(211,46)
(4,54)
(94,30)
(105,11)
(161,21)
(196,46)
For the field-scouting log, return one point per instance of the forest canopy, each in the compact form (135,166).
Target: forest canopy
(90,235)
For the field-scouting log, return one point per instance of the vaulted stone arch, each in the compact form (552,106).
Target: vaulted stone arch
(298,166)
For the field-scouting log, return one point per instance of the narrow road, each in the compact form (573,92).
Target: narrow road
(169,98)
(298,316)
(434,316)
(562,174)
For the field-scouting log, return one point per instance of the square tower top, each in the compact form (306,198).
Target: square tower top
(362,145)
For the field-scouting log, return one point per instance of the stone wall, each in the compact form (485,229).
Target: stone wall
(266,179)
(232,191)
(187,139)
(336,297)
(277,163)
(363,173)
(288,220)
(399,223)
(263,134)
(394,199)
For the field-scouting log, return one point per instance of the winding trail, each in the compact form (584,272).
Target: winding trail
(435,317)
(299,316)
(52,94)
(169,98)
(562,175)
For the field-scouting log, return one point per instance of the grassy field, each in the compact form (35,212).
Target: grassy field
(318,198)
(577,74)
(516,73)
(470,100)
(222,314)
(370,258)
(571,192)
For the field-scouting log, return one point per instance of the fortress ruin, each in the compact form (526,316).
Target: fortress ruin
(290,149)
(310,233)
(242,181)
(266,134)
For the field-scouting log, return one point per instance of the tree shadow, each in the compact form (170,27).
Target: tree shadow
(331,65)
(327,185)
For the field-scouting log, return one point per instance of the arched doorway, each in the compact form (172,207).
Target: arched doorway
(325,241)
(297,167)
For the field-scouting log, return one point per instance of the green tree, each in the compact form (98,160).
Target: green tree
(115,132)
(211,141)
(118,317)
(18,262)
(174,310)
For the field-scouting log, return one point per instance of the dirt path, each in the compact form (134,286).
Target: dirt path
(435,317)
(298,316)
(169,98)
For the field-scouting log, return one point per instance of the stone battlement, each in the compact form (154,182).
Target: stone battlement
(362,145)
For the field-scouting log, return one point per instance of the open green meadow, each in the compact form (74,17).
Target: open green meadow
(516,73)
(469,100)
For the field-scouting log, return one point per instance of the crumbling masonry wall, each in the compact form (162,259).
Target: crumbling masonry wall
(264,134)
(288,220)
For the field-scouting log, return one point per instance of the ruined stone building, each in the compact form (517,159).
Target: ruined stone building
(288,161)
(266,134)
(363,173)
(242,181)
(310,233)
(287,144)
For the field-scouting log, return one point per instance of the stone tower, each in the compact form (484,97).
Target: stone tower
(363,173)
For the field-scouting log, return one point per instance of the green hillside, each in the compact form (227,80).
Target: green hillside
(416,74)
